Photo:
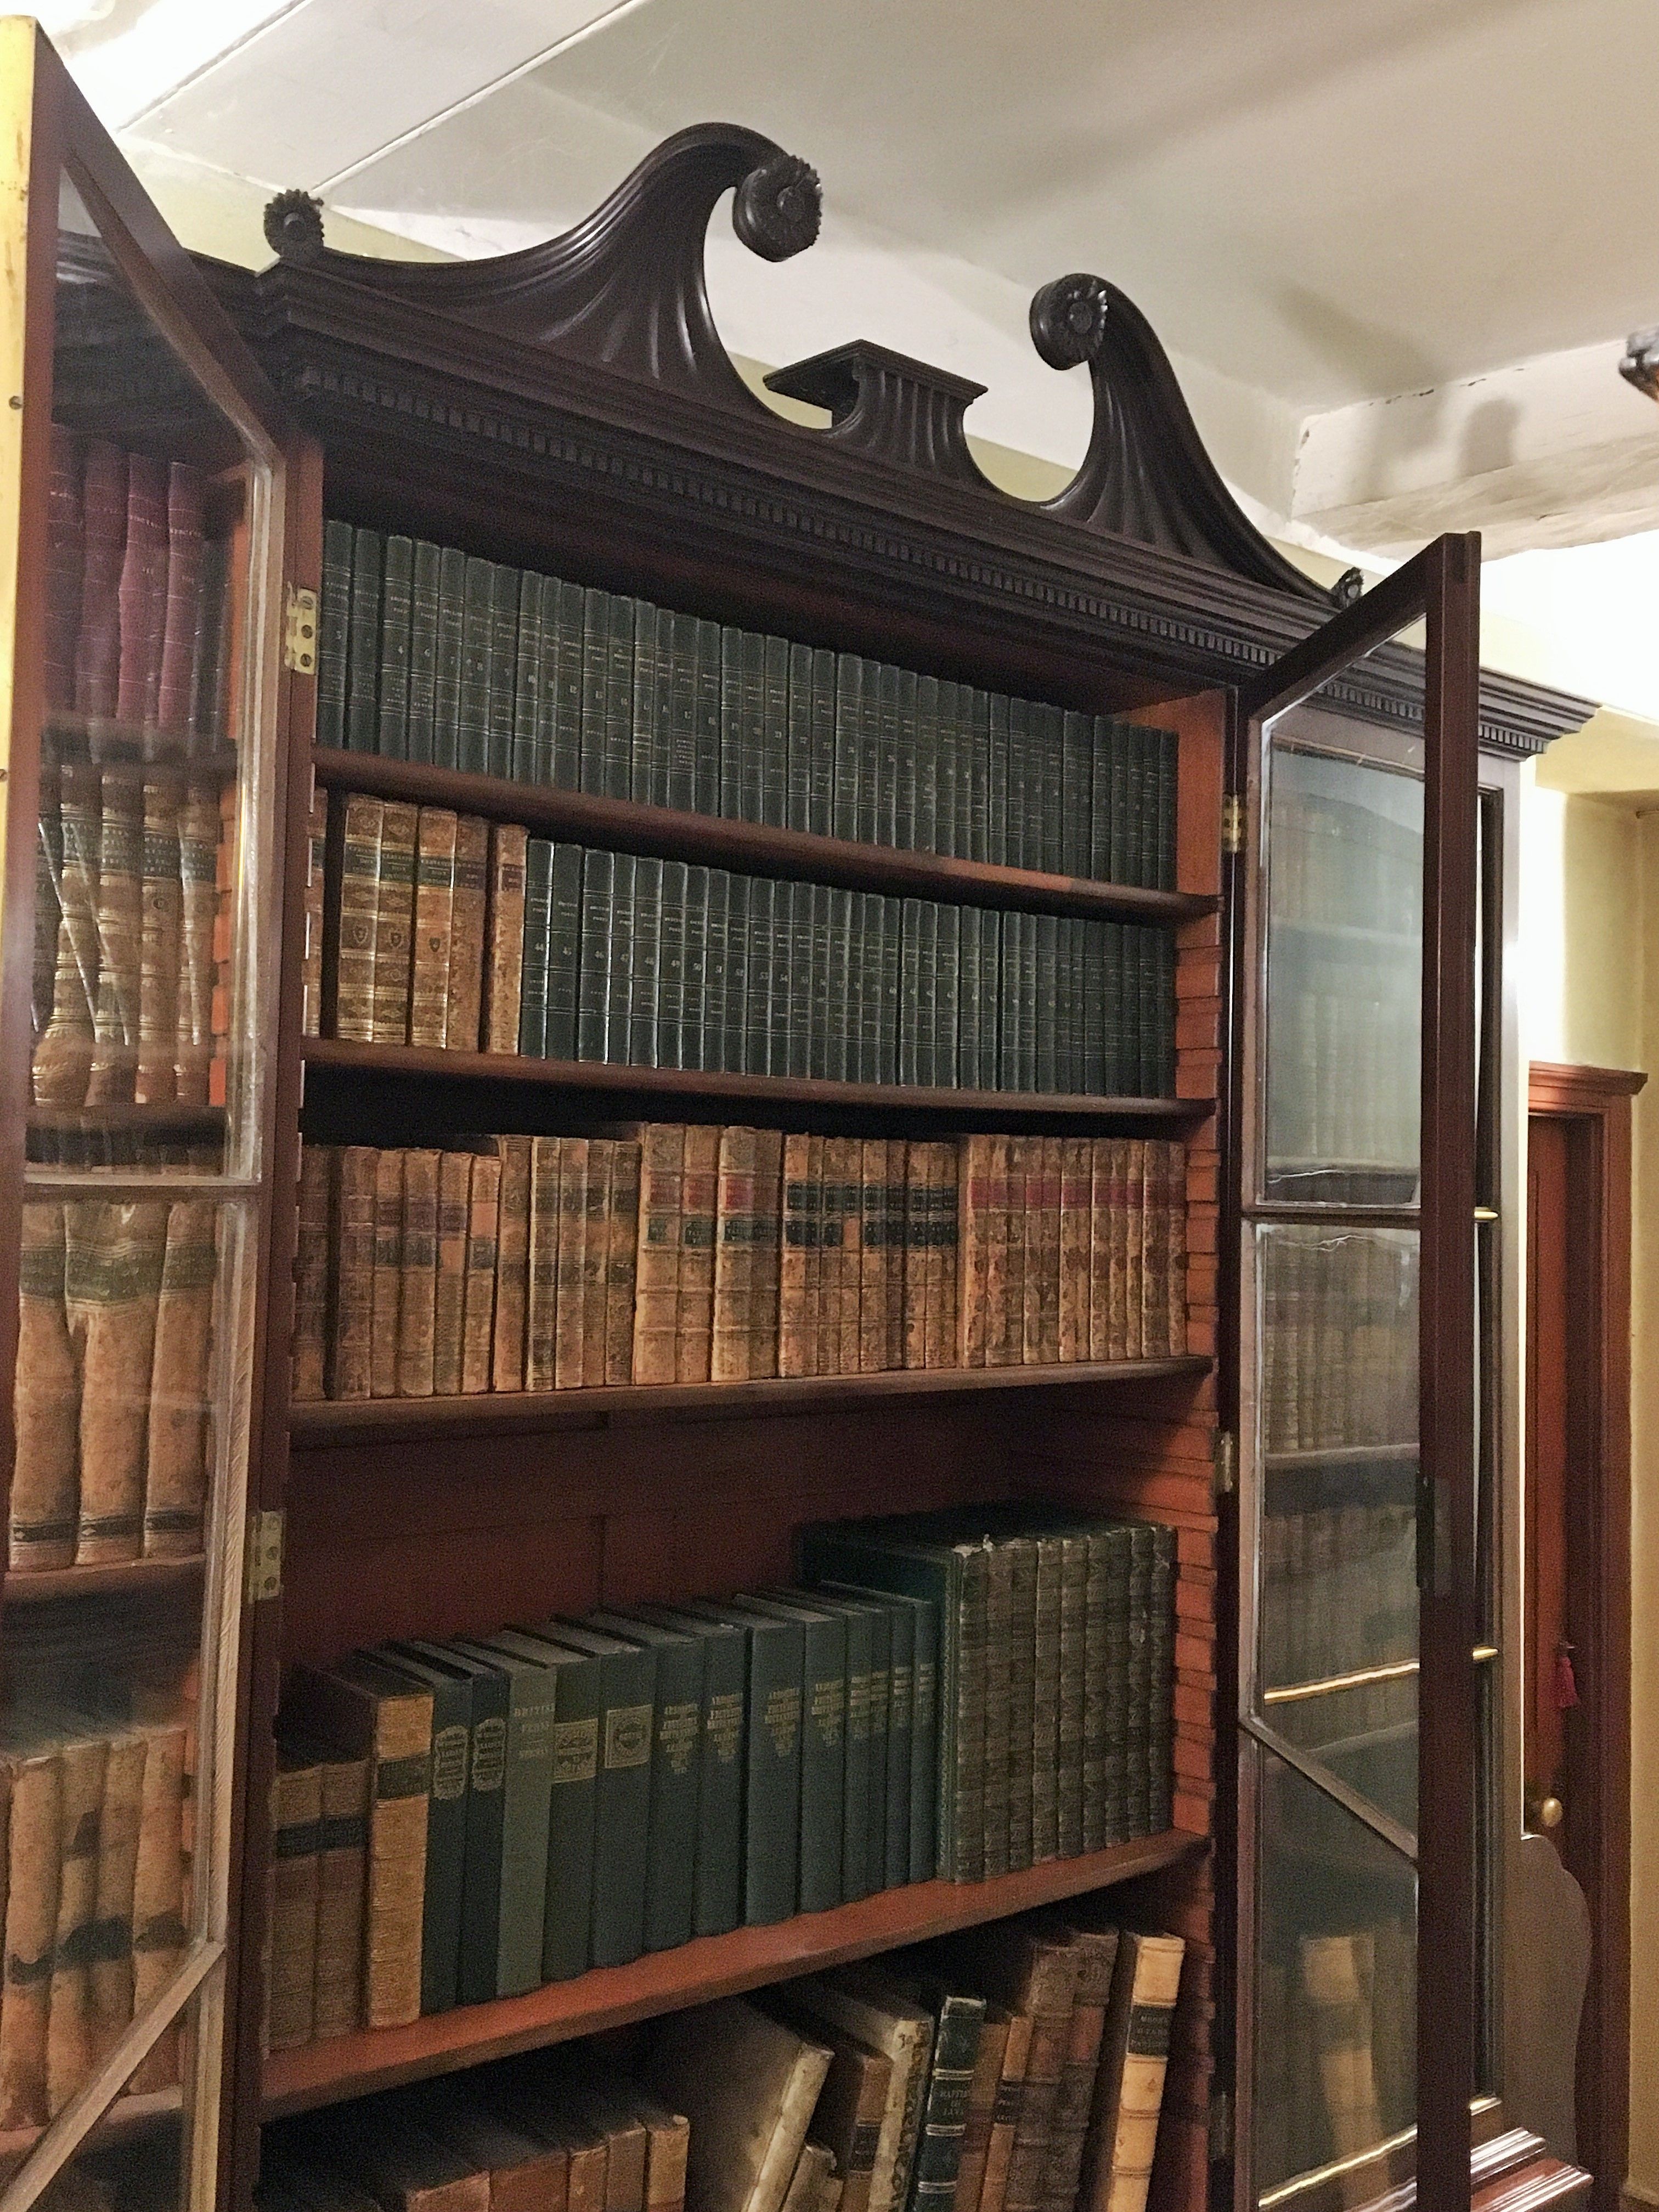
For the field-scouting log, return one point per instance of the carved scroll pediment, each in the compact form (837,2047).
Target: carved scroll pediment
(625,291)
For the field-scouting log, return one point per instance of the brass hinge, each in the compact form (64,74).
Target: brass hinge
(1232,824)
(1221,2125)
(1225,1464)
(265,1557)
(300,632)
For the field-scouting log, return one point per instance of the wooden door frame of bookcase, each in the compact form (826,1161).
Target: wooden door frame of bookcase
(1596,1104)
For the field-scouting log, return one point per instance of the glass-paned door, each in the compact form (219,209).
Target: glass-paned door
(1358,1445)
(144,468)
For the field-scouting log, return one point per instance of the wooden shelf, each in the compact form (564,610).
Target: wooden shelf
(751,848)
(127,2116)
(337,1421)
(23,1588)
(697,1973)
(604,1079)
(127,1120)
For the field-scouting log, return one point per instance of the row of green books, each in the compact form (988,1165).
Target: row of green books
(658,964)
(428,654)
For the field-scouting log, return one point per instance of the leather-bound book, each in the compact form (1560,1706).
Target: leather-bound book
(478,1293)
(296,1817)
(449,1292)
(621,1261)
(1135,1208)
(342,1869)
(33,1857)
(1177,1253)
(65,552)
(45,1401)
(734,1255)
(797,1330)
(418,1273)
(113,1279)
(959,2020)
(943,1282)
(1096,1949)
(849,2116)
(68,2024)
(224,943)
(978,1226)
(160,925)
(1034,1972)
(469,902)
(158,1893)
(542,1266)
(504,963)
(382,2144)
(748,2084)
(850,1205)
(1075,1187)
(175,1491)
(311,1019)
(525,2173)
(1005,2113)
(506,1369)
(1134,2061)
(668,2145)
(916,1218)
(104,528)
(352,915)
(48,906)
(695,1325)
(198,970)
(874,1230)
(349,1365)
(176,676)
(319,1167)
(1155,1250)
(1099,1249)
(110,1979)
(115,1004)
(596,1259)
(885,2020)
(394,923)
(657,1267)
(981,2114)
(141,596)
(765,1253)
(434,905)
(1022,1153)
(570,1304)
(388,1276)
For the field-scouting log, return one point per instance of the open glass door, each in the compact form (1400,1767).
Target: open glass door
(1361,1954)
(144,470)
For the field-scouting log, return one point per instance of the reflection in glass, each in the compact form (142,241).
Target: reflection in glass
(1336,1983)
(1344,934)
(133,2160)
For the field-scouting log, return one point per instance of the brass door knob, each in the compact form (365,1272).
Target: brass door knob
(1545,1812)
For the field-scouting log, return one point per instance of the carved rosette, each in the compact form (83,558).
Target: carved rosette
(778,208)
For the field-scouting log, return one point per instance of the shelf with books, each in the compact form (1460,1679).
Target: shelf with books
(103,739)
(753,848)
(1031,1109)
(321,1422)
(127,2117)
(712,1966)
(121,1576)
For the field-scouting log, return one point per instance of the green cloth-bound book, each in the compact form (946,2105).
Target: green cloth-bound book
(333,634)
(628,1679)
(823,1742)
(717,1905)
(676,1768)
(774,1652)
(362,717)
(472,735)
(490,1690)
(528,1785)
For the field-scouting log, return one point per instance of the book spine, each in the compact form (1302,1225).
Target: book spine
(504,967)
(417,1276)
(342,1860)
(113,1258)
(481,1259)
(734,1255)
(45,1403)
(512,1265)
(449,1292)
(394,924)
(657,1272)
(528,713)
(538,924)
(570,1312)
(572,1821)
(944,2110)
(362,705)
(696,1313)
(333,632)
(397,599)
(596,1259)
(435,907)
(176,1445)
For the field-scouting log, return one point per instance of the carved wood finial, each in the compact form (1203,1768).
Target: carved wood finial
(778,208)
(899,412)
(293,227)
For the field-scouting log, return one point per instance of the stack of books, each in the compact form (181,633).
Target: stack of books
(1338,1341)
(694,1253)
(428,654)
(958,1696)
(114,1349)
(1336,2064)
(434,929)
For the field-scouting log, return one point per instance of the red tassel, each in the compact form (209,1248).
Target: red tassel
(1567,1687)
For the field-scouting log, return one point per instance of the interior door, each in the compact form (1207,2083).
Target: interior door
(146,471)
(1360,1604)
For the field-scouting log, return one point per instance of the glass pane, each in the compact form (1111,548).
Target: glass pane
(1336,1983)
(1344,969)
(140,927)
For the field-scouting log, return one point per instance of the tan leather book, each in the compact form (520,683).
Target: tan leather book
(1100,1247)
(797,1333)
(1134,1207)
(977,1170)
(320,1169)
(596,1259)
(161,931)
(1155,1251)
(506,1369)
(621,1261)
(504,965)
(656,1266)
(176,1477)
(872,1287)
(765,1252)
(200,836)
(351,915)
(69,2026)
(112,1283)
(342,1872)
(1134,2061)
(469,906)
(351,1334)
(363,1710)
(45,1401)
(995,1231)
(862,2007)
(449,1293)
(114,1068)
(1033,1971)
(748,2084)
(62,1057)
(1075,1196)
(1048,1302)
(814,2165)
(734,1255)
(831,1251)
(942,1320)
(569,1273)
(434,913)
(418,1275)
(627,2144)
(847,2120)
(668,2143)
(918,1216)
(897,1220)
(981,2108)
(541,1302)
(311,1013)
(1175,1255)
(695,1329)
(388,1270)
(1118,1236)
(1021,1150)
(34,1833)
(296,1820)
(1005,2114)
(478,1294)
(394,922)
(159,1893)
(850,1180)
(529,2100)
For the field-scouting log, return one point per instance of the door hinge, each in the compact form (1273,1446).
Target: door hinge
(1221,2125)
(265,1557)
(1232,824)
(300,632)
(1225,1463)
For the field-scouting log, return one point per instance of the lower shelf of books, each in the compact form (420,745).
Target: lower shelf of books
(694,1974)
